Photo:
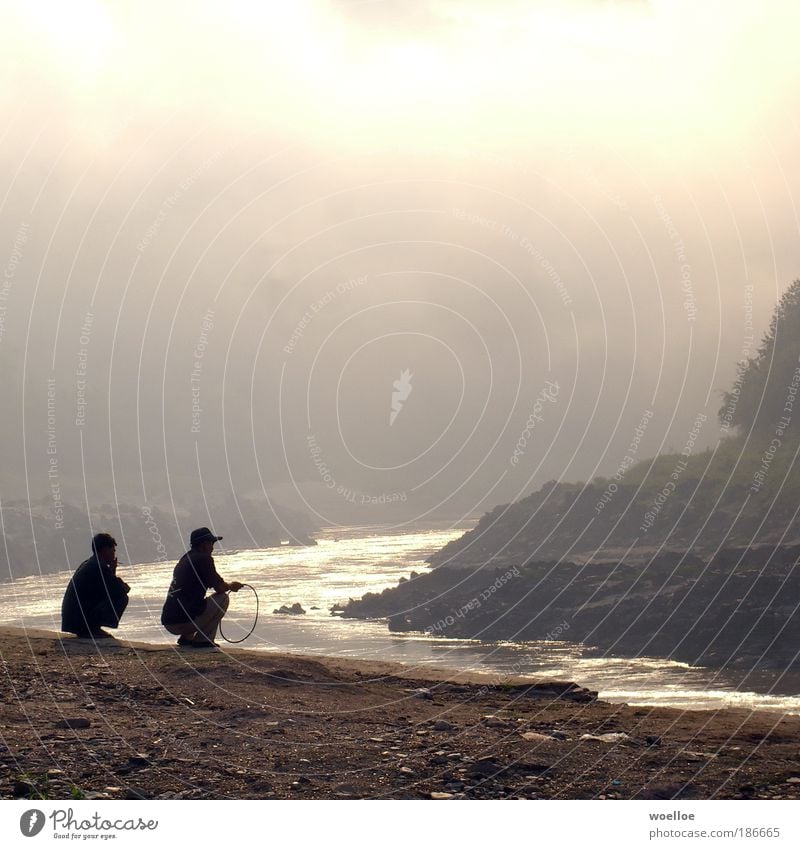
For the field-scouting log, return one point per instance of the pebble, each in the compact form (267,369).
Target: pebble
(435,795)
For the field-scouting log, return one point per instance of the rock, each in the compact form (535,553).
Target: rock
(399,622)
(653,740)
(493,721)
(484,768)
(435,795)
(404,770)
(74,722)
(567,690)
(23,788)
(346,791)
(443,725)
(536,737)
(530,768)
(137,793)
(422,693)
(793,780)
(610,737)
(295,610)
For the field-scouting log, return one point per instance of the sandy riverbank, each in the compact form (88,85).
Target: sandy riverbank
(154,722)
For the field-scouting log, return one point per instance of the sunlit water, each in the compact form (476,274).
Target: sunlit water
(350,562)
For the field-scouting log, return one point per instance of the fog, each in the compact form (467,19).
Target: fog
(381,261)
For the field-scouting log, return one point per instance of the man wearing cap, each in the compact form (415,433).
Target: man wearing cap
(95,596)
(187,612)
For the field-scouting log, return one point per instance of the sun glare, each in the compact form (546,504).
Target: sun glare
(80,32)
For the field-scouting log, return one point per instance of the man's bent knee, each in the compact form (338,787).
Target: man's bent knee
(222,600)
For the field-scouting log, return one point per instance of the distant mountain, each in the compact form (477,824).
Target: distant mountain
(44,536)
(722,497)
(692,555)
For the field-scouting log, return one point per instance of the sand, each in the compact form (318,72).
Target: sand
(122,720)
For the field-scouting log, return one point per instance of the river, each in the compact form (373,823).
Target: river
(350,562)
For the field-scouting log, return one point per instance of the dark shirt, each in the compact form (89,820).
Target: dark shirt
(92,584)
(193,575)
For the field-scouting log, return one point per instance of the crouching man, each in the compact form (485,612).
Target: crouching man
(187,612)
(95,597)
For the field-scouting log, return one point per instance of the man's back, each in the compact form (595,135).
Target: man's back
(91,584)
(194,574)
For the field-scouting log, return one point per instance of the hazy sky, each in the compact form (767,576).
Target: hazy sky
(348,253)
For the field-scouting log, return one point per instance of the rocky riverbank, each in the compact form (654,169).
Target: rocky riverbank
(128,721)
(740,609)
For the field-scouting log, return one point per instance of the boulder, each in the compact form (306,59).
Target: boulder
(295,610)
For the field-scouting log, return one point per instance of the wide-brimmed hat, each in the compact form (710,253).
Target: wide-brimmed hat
(202,535)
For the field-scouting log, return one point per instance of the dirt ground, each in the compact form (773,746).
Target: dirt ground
(127,720)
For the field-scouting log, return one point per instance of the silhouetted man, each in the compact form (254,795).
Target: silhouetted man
(187,612)
(95,597)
